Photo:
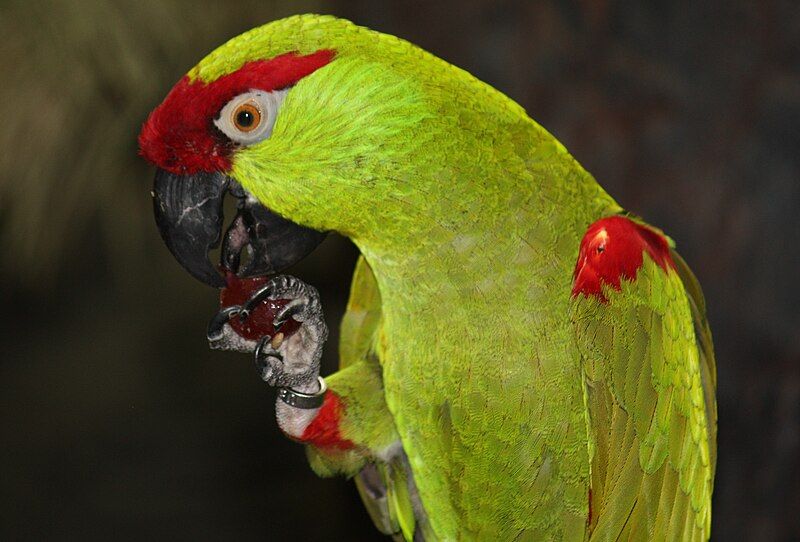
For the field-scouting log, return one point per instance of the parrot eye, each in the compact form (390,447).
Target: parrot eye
(249,117)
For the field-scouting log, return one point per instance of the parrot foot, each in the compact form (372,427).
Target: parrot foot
(289,359)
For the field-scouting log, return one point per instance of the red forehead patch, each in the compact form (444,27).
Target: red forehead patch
(179,135)
(612,249)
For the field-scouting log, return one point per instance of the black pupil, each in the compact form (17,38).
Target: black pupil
(245,118)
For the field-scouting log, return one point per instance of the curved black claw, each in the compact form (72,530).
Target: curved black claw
(260,295)
(279,287)
(215,331)
(295,307)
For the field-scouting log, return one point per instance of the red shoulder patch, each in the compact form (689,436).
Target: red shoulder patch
(611,250)
(324,430)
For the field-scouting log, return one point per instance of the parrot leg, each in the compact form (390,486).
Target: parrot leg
(282,361)
(353,425)
(292,362)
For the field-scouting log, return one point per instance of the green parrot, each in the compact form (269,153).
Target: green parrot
(520,359)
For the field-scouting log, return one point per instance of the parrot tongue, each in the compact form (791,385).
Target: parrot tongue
(271,242)
(189,215)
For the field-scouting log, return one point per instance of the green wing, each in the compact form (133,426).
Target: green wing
(384,487)
(708,365)
(650,379)
(361,318)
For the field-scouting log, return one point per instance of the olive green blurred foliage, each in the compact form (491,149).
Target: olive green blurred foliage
(78,81)
(114,415)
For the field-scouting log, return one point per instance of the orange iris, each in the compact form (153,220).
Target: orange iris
(246,117)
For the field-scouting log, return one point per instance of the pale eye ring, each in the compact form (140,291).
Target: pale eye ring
(249,118)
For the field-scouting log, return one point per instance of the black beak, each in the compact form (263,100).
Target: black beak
(188,211)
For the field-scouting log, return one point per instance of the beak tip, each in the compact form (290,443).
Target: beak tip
(188,213)
(212,279)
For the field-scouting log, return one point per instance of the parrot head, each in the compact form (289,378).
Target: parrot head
(314,125)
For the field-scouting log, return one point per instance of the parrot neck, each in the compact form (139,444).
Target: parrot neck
(476,240)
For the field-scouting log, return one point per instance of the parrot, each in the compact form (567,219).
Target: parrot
(520,358)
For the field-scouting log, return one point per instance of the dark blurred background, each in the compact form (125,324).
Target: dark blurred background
(116,419)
